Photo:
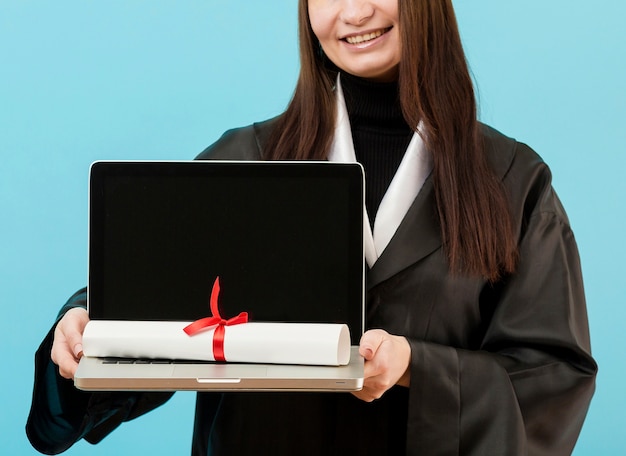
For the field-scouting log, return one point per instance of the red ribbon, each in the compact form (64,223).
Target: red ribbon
(213,320)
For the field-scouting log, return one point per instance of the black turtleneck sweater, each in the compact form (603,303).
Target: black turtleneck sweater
(379,133)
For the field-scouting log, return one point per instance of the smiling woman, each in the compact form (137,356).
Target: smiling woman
(477,339)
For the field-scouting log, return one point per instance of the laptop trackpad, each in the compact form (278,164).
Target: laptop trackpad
(212,372)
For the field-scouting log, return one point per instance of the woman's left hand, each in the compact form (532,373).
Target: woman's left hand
(387,363)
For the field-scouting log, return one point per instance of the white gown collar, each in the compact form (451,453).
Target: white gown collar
(415,167)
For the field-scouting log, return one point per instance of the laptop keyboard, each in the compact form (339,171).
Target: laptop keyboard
(151,361)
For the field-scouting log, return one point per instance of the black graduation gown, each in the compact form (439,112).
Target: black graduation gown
(503,369)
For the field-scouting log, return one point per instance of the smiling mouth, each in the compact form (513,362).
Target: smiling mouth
(358,39)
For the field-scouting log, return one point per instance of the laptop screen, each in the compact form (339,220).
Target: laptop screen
(284,238)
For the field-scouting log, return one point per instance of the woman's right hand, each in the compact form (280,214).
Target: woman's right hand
(67,348)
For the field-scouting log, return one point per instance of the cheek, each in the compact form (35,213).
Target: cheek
(321,22)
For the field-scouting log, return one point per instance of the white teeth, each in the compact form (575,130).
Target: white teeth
(363,38)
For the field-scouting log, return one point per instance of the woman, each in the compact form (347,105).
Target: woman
(478,340)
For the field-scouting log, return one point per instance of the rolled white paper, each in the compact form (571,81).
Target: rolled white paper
(276,343)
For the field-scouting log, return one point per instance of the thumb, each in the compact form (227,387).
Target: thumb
(370,341)
(73,331)
(74,341)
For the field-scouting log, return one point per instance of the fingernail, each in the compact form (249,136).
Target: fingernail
(78,350)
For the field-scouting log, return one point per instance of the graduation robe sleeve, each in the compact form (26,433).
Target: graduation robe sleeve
(60,414)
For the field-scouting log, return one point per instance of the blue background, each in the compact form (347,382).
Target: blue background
(130,79)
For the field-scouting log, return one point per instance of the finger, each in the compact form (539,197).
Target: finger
(368,394)
(363,395)
(374,366)
(62,356)
(374,386)
(370,342)
(67,364)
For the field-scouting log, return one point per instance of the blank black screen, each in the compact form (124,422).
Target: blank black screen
(285,240)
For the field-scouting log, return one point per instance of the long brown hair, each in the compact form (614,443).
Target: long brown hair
(435,88)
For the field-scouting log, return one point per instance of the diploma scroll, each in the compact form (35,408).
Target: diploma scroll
(255,342)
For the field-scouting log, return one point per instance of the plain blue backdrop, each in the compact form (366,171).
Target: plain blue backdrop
(129,79)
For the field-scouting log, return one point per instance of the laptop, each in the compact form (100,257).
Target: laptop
(284,238)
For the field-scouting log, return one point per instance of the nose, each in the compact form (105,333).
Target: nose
(356,12)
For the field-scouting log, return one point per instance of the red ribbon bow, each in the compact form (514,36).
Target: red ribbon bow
(213,320)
